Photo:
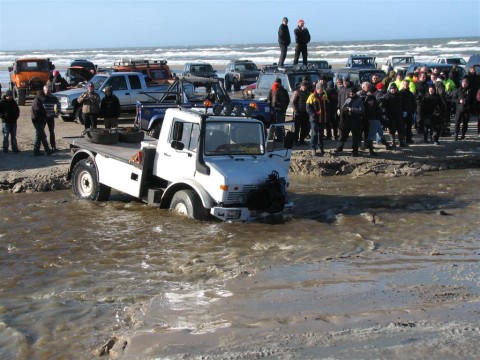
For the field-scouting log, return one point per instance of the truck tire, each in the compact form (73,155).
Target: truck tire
(20,95)
(236,84)
(85,184)
(154,131)
(187,203)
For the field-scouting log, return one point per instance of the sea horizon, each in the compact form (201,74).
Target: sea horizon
(335,52)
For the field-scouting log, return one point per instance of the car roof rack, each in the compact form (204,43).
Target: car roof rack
(289,68)
(139,62)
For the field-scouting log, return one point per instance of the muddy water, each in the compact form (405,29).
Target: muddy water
(72,273)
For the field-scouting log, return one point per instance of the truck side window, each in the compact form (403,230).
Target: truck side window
(134,82)
(118,83)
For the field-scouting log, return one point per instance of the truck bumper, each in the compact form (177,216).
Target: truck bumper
(244,214)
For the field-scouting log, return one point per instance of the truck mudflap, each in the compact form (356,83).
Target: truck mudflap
(244,214)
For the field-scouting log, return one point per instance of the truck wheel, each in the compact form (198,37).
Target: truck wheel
(236,84)
(187,203)
(154,131)
(85,184)
(21,95)
(77,115)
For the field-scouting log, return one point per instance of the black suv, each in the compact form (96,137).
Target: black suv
(291,77)
(361,62)
(201,69)
(240,72)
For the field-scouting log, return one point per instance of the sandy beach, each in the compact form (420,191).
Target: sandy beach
(346,307)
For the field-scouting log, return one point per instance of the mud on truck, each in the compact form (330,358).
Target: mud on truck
(27,76)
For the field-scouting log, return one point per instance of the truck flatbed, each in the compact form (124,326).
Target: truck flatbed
(121,151)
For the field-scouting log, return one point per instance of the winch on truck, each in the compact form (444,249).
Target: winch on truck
(201,166)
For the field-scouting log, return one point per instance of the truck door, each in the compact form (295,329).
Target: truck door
(177,157)
(121,91)
(279,144)
(136,89)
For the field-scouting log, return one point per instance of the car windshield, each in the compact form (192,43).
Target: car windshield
(234,138)
(248,66)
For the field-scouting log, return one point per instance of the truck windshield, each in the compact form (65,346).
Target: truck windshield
(98,81)
(40,65)
(234,138)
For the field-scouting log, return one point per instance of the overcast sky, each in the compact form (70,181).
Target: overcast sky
(71,24)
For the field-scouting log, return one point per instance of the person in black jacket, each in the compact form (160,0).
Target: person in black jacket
(39,120)
(283,41)
(9,112)
(464,98)
(409,106)
(392,103)
(432,114)
(421,90)
(352,112)
(302,38)
(110,109)
(300,115)
(59,83)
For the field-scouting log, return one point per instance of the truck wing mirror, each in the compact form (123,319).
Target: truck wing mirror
(177,145)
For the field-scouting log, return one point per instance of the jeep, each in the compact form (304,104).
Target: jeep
(361,62)
(27,76)
(240,72)
(200,69)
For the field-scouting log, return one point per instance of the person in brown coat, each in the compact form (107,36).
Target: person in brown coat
(90,106)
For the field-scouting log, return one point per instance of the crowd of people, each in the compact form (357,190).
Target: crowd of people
(399,104)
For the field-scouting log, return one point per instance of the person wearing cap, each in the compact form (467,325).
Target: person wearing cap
(110,109)
(464,99)
(39,120)
(302,38)
(300,115)
(59,83)
(51,105)
(433,111)
(352,113)
(90,106)
(278,99)
(317,113)
(283,41)
(9,112)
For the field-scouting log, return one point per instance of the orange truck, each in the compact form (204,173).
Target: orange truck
(27,76)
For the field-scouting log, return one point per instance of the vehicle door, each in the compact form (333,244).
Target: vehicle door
(279,143)
(178,156)
(120,89)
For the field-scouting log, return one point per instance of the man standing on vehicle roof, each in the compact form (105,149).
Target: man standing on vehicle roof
(302,38)
(283,41)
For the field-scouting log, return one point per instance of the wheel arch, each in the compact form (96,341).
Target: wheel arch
(78,156)
(204,196)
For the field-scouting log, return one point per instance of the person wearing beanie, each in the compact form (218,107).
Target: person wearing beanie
(392,104)
(9,112)
(432,114)
(464,100)
(317,113)
(90,101)
(300,115)
(352,113)
(283,41)
(302,38)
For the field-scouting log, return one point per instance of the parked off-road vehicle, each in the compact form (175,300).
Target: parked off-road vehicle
(361,62)
(156,72)
(80,71)
(240,72)
(27,76)
(201,69)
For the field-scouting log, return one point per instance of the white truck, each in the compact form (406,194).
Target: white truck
(202,166)
(398,63)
